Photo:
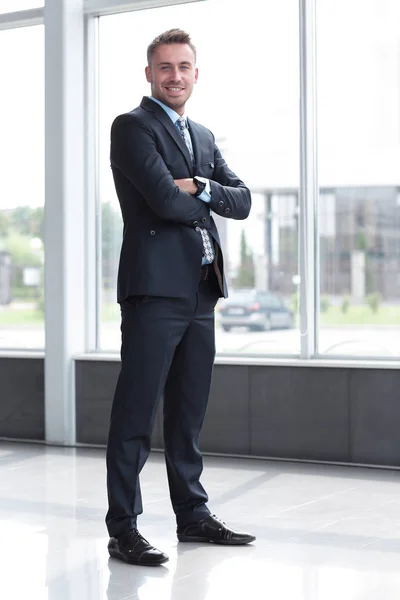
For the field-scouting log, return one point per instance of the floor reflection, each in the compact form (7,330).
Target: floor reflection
(323,532)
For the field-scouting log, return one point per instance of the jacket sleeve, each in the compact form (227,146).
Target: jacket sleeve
(230,197)
(134,153)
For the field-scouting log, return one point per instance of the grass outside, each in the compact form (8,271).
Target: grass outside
(110,313)
(356,315)
(361,315)
(21,316)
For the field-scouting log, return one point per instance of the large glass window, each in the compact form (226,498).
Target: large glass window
(359,176)
(22,188)
(247,94)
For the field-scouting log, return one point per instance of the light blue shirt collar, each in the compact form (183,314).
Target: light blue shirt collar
(170,111)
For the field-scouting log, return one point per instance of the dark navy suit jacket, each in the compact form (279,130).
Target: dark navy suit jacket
(162,248)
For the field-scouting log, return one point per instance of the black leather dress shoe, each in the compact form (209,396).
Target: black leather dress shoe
(213,530)
(132,548)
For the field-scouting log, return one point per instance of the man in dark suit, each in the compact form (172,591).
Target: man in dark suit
(169,176)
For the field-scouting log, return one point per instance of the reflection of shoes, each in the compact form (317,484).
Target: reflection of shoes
(213,530)
(132,548)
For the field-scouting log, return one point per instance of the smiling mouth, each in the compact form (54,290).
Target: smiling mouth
(174,89)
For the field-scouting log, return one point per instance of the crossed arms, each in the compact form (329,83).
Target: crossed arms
(134,153)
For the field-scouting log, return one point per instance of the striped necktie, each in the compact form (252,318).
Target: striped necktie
(208,249)
(183,130)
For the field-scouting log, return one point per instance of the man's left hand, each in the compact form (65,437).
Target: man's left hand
(186,185)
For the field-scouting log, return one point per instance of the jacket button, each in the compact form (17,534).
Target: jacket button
(227,210)
(212,165)
(194,223)
(197,229)
(221,203)
(152,232)
(203,220)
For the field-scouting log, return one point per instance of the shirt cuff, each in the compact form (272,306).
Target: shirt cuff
(206,193)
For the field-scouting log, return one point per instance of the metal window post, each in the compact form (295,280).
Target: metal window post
(308,180)
(64,212)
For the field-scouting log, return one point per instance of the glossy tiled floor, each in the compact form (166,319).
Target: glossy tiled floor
(323,532)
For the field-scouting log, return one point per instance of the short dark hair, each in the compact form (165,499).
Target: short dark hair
(172,36)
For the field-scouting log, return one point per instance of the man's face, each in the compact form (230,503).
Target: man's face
(172,75)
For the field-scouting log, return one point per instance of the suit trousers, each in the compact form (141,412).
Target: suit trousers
(168,348)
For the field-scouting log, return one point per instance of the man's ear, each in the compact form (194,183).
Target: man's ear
(148,74)
(196,74)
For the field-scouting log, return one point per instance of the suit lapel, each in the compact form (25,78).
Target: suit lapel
(162,116)
(196,142)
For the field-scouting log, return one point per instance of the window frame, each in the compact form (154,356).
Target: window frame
(309,259)
(308,193)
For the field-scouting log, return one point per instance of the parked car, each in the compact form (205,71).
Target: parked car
(256,310)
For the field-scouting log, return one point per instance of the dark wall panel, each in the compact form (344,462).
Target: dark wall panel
(299,413)
(95,385)
(332,414)
(22,398)
(226,427)
(95,382)
(316,413)
(375,416)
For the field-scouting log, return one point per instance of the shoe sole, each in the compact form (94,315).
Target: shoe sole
(142,563)
(189,538)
